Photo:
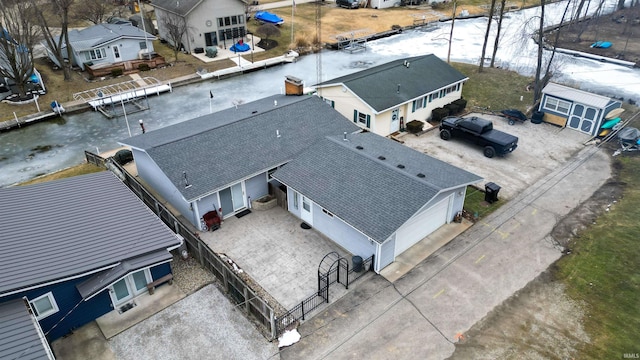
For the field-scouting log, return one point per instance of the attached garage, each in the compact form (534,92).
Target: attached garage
(574,108)
(423,224)
(374,196)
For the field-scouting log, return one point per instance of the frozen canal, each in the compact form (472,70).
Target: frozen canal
(63,142)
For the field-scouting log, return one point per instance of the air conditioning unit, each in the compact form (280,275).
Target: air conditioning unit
(145,54)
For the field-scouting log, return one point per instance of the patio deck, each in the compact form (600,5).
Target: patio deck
(276,252)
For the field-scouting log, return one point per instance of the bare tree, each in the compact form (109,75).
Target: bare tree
(176,29)
(486,35)
(95,11)
(497,40)
(17,37)
(60,9)
(542,79)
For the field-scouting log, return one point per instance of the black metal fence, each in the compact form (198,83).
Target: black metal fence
(245,297)
(315,301)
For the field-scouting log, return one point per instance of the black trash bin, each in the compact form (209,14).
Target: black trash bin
(491,192)
(357,263)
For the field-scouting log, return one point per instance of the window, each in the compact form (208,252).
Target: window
(227,21)
(95,54)
(558,105)
(234,20)
(295,200)
(417,104)
(361,118)
(328,213)
(220,22)
(143,45)
(44,306)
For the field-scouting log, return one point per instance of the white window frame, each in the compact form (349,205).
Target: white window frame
(96,54)
(295,200)
(557,105)
(418,104)
(52,300)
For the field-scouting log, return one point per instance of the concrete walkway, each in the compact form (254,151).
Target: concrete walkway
(422,314)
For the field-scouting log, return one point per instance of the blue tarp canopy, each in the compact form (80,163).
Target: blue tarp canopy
(268,17)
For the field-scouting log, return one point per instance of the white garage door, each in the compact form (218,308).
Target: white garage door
(421,226)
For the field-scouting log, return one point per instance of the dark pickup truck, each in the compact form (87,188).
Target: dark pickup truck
(478,131)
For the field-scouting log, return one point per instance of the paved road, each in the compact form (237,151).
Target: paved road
(422,314)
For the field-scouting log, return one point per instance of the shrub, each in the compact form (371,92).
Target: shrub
(439,113)
(116,72)
(453,108)
(396,27)
(462,103)
(414,126)
(143,67)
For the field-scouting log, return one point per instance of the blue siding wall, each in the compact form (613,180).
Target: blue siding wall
(256,186)
(387,252)
(342,233)
(161,270)
(149,172)
(67,297)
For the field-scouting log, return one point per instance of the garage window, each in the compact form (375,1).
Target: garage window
(557,105)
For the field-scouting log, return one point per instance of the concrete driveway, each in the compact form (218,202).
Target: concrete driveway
(541,149)
(424,313)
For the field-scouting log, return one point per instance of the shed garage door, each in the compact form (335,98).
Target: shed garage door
(421,226)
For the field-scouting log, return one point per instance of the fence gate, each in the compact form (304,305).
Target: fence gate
(333,269)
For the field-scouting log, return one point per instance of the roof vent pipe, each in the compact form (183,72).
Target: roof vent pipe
(345,136)
(398,91)
(275,103)
(186,181)
(408,63)
(277,133)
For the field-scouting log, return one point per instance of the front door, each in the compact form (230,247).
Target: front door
(237,196)
(129,286)
(395,121)
(232,199)
(306,212)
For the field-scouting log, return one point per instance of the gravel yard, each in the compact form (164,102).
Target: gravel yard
(189,275)
(204,325)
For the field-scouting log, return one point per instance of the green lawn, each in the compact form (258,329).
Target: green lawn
(603,272)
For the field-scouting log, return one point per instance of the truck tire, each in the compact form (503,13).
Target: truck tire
(489,151)
(445,134)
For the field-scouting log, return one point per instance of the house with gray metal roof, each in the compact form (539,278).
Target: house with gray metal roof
(221,161)
(106,44)
(383,98)
(372,195)
(574,108)
(206,22)
(78,248)
(20,334)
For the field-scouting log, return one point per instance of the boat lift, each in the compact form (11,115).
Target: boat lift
(132,94)
(353,41)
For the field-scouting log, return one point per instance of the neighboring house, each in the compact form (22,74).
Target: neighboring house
(106,44)
(15,56)
(372,195)
(225,159)
(207,22)
(575,109)
(383,98)
(74,250)
(21,336)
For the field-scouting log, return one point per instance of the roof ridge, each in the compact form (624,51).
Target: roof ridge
(374,69)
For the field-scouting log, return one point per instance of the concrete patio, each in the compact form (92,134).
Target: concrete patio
(275,251)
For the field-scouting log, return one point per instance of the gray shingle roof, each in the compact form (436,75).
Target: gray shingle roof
(372,195)
(218,149)
(390,84)
(19,338)
(101,34)
(68,227)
